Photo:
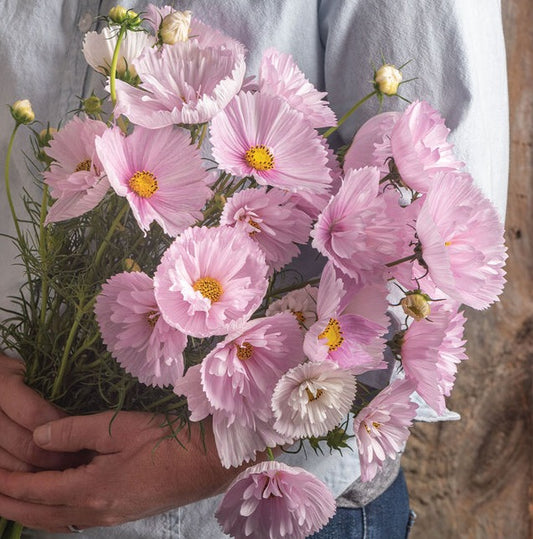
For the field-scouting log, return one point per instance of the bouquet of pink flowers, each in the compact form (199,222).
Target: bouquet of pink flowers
(162,277)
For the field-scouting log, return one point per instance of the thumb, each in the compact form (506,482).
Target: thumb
(75,433)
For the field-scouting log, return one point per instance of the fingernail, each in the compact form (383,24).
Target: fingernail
(42,435)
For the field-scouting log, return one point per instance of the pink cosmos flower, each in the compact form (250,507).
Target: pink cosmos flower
(270,219)
(341,334)
(185,83)
(279,75)
(210,281)
(312,398)
(159,172)
(462,241)
(239,375)
(75,177)
(431,349)
(98,49)
(236,442)
(382,427)
(272,500)
(354,230)
(261,136)
(300,303)
(135,333)
(371,144)
(314,203)
(420,148)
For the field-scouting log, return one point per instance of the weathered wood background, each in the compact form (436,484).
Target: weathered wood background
(473,478)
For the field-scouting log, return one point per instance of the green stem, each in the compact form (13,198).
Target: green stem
(202,136)
(12,207)
(348,114)
(3,526)
(8,186)
(15,532)
(42,254)
(112,228)
(270,454)
(114,63)
(58,382)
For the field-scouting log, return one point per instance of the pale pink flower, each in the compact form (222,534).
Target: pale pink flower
(271,220)
(236,442)
(75,178)
(431,348)
(159,172)
(300,303)
(462,241)
(382,427)
(404,216)
(279,75)
(98,49)
(210,281)
(354,230)
(420,147)
(185,83)
(371,143)
(312,398)
(272,500)
(239,375)
(135,333)
(341,334)
(261,136)
(314,203)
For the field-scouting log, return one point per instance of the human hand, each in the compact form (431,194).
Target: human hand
(21,411)
(134,473)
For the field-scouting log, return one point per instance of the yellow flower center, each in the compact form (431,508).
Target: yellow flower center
(255,225)
(333,334)
(299,315)
(375,424)
(209,288)
(152,317)
(244,351)
(447,243)
(313,396)
(83,165)
(260,158)
(143,184)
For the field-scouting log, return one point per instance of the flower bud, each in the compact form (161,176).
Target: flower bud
(130,265)
(45,136)
(416,304)
(119,15)
(22,112)
(92,105)
(387,79)
(175,27)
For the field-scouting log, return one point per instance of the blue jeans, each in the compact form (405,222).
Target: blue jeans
(387,517)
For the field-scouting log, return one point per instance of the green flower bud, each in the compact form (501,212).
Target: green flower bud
(22,112)
(120,15)
(92,105)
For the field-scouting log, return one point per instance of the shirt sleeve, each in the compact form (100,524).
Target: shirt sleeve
(456,54)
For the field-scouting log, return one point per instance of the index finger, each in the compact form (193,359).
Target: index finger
(20,403)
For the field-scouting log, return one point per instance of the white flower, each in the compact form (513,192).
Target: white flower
(300,303)
(98,49)
(312,398)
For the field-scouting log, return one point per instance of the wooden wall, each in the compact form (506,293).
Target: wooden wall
(473,478)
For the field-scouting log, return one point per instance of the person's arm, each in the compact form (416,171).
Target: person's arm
(134,473)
